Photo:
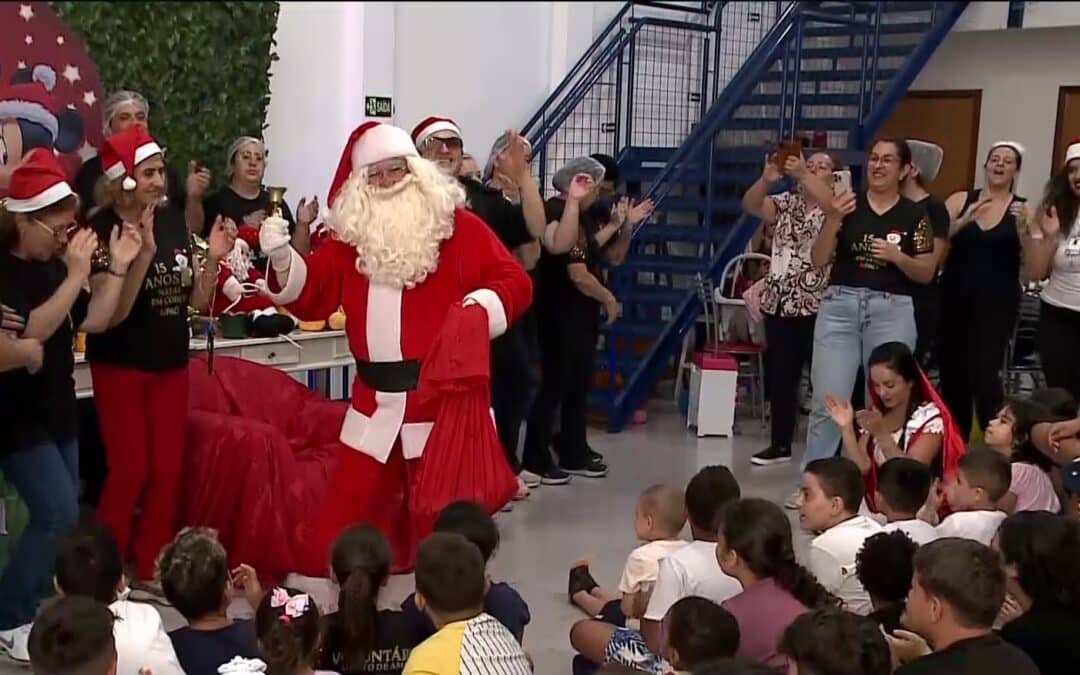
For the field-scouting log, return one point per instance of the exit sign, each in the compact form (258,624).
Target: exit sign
(378,106)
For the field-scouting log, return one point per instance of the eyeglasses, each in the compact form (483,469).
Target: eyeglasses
(387,172)
(450,143)
(62,232)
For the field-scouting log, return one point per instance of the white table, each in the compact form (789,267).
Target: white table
(319,350)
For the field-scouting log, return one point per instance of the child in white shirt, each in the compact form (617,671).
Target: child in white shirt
(659,517)
(982,479)
(903,485)
(88,564)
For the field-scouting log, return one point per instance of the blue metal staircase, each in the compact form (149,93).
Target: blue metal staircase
(688,97)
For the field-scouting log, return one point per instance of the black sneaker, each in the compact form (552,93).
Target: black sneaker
(553,476)
(595,456)
(592,469)
(580,579)
(771,455)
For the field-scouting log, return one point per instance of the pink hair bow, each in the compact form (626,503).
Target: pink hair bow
(295,605)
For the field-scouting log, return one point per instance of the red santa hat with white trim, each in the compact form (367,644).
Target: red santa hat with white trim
(32,101)
(369,143)
(36,183)
(435,127)
(1073,151)
(123,151)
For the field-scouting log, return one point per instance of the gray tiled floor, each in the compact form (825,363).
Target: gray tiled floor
(592,519)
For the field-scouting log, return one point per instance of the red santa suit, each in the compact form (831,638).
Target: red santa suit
(390,329)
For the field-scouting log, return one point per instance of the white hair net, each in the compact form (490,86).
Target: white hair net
(587,165)
(119,98)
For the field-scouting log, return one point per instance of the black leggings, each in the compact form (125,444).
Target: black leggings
(513,383)
(790,343)
(1059,347)
(975,334)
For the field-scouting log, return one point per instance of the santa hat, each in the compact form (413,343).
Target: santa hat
(435,127)
(123,151)
(1073,151)
(37,182)
(369,143)
(32,101)
(926,157)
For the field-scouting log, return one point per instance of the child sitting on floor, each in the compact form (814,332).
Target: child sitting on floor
(902,488)
(194,574)
(659,517)
(1030,488)
(696,631)
(450,583)
(288,625)
(982,479)
(73,636)
(884,566)
(500,600)
(88,565)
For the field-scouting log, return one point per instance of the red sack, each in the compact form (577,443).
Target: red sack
(463,458)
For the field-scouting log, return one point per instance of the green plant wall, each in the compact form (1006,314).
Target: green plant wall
(204,67)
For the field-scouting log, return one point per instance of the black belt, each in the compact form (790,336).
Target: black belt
(392,377)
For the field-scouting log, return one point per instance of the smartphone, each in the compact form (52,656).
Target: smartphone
(787,149)
(841,181)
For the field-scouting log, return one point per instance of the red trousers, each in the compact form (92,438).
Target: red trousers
(363,490)
(142,416)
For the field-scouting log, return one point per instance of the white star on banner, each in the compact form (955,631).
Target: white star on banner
(71,74)
(59,39)
(22,64)
(26,12)
(89,99)
(29,40)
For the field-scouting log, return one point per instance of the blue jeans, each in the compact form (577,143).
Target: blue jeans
(850,324)
(46,475)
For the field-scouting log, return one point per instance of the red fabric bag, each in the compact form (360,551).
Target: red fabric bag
(463,458)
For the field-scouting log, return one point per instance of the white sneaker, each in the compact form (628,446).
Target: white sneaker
(522,491)
(530,479)
(15,643)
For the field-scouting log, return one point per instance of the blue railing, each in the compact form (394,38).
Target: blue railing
(785,34)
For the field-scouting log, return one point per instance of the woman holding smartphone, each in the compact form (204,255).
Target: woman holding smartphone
(881,247)
(139,366)
(54,280)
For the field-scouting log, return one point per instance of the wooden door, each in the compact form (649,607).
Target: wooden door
(1068,124)
(948,118)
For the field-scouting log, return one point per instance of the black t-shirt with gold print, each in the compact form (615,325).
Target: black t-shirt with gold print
(155,335)
(905,225)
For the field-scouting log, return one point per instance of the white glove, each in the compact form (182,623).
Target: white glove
(274,240)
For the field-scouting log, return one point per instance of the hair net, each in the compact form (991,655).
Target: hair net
(119,98)
(497,148)
(926,157)
(235,146)
(561,180)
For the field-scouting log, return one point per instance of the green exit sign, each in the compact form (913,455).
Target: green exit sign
(378,106)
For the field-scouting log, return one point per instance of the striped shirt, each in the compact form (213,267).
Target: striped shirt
(478,646)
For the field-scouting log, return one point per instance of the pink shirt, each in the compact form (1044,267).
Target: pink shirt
(1033,489)
(763,611)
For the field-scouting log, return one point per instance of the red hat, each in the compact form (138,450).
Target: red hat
(33,100)
(369,143)
(123,151)
(435,127)
(37,182)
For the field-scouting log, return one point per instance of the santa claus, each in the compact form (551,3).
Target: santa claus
(403,254)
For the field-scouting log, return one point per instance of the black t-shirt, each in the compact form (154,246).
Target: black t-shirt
(986,655)
(201,652)
(1049,638)
(555,294)
(395,638)
(90,172)
(501,601)
(155,335)
(505,219)
(905,224)
(243,211)
(41,406)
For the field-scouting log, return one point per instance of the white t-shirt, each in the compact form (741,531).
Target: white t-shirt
(832,561)
(141,641)
(643,565)
(691,570)
(920,531)
(978,525)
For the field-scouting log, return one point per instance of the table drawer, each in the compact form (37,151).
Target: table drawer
(279,354)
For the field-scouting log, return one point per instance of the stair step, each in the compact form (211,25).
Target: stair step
(696,204)
(803,123)
(685,233)
(665,264)
(804,99)
(906,28)
(855,52)
(849,75)
(643,330)
(863,7)
(654,295)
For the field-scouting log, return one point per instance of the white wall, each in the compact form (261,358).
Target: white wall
(1019,73)
(995,15)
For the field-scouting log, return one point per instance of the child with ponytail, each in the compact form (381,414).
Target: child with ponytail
(359,637)
(288,627)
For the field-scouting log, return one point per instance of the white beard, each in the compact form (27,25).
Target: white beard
(397,231)
(239,260)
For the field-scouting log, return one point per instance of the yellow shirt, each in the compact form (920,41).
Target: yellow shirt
(478,646)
